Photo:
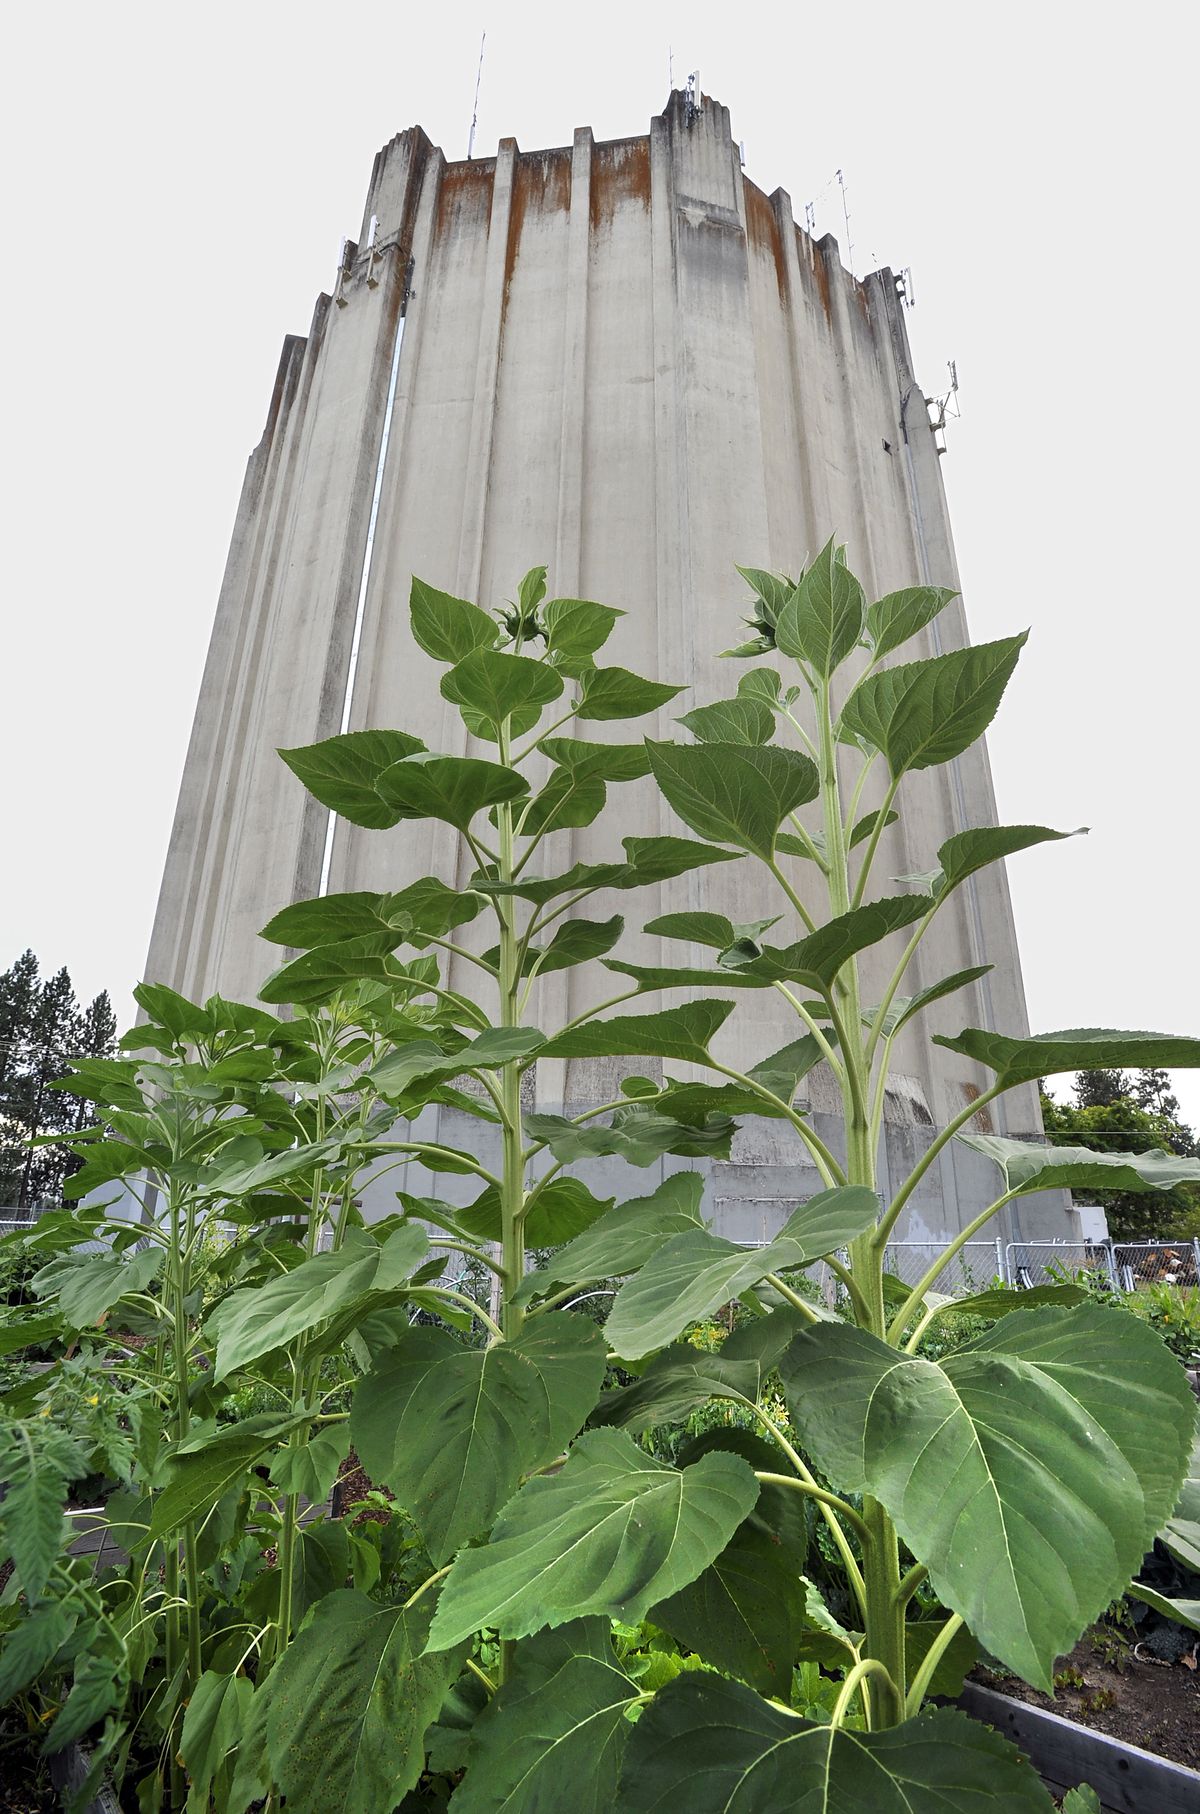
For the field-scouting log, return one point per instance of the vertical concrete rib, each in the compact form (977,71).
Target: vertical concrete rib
(216,854)
(556,992)
(193,830)
(501,250)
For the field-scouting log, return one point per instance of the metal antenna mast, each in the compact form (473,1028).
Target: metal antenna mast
(846,214)
(475,109)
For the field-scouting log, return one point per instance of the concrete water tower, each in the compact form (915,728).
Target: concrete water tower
(627,361)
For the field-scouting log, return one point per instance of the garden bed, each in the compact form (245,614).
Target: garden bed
(1155,1706)
(1126,1779)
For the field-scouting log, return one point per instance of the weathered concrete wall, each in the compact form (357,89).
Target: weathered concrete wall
(626,361)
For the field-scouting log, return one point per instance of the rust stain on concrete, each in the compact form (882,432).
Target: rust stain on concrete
(541,185)
(983,1120)
(620,173)
(762,230)
(465,195)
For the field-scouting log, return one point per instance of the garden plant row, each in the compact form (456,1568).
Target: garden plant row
(585,1588)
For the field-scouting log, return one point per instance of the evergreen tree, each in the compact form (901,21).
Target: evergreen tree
(42,1030)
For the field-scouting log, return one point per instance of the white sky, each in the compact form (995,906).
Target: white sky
(179,180)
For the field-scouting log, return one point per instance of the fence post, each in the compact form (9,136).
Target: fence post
(1001,1274)
(1196,1254)
(1111,1263)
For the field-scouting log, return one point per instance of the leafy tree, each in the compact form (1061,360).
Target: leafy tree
(1099,1088)
(42,1032)
(1137,1117)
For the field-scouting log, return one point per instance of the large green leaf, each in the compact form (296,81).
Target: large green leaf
(606,761)
(451,1429)
(319,974)
(490,688)
(113,1082)
(622,1239)
(1029,1167)
(1181,1533)
(312,1467)
(783,1515)
(647,860)
(1002,1300)
(557,1212)
(696,1272)
(1183,1612)
(968,851)
(682,1033)
(927,712)
(243,1166)
(638,1134)
(713,1746)
(199,1472)
(742,720)
(891,620)
(424,907)
(865,826)
(772,590)
(904,1008)
(1076,1049)
(609,693)
(572,797)
(676,1383)
(213,1726)
(554,1736)
(612,1533)
(780,1074)
(822,619)
(816,960)
(342,772)
(745,1613)
(167,1008)
(660,859)
(734,792)
(86,1286)
(574,943)
(424,1062)
(1029,1471)
(349,1702)
(448,628)
(257,1320)
(713,929)
(651,978)
(451,788)
(575,629)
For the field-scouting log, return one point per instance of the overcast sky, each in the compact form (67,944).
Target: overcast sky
(178,181)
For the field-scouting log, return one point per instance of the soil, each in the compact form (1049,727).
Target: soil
(25,1786)
(1153,1705)
(354,1483)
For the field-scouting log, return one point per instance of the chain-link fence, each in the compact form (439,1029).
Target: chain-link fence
(1031,1263)
(1139,1263)
(975,1266)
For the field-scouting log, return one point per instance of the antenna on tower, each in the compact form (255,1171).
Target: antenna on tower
(475,109)
(940,408)
(846,216)
(695,100)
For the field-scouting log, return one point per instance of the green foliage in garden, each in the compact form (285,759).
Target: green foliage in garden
(622,1566)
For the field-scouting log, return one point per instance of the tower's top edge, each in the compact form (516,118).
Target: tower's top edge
(691,123)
